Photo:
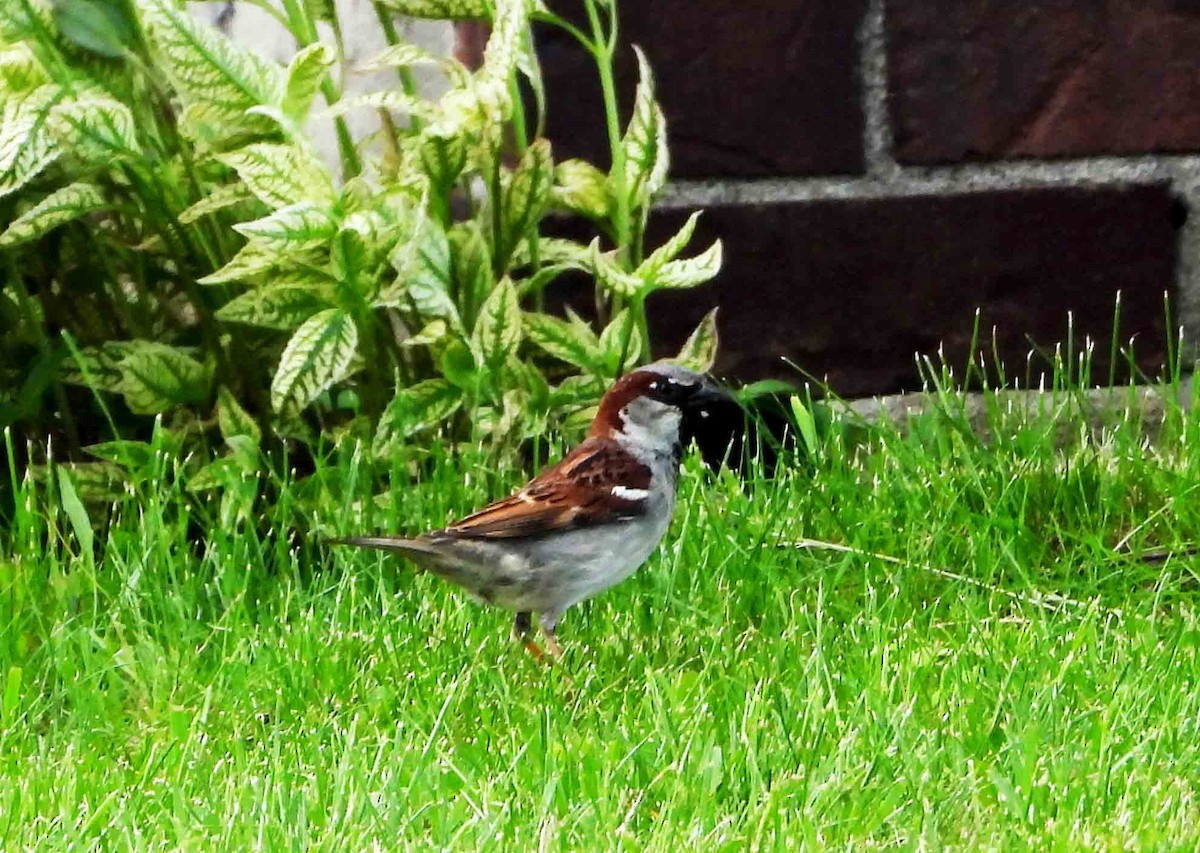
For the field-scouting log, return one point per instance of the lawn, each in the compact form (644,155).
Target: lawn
(988,664)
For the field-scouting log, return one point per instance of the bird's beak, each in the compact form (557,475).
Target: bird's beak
(710,395)
(714,420)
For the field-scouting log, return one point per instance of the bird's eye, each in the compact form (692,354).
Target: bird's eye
(673,392)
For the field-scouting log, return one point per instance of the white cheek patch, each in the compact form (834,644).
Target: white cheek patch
(650,424)
(628,494)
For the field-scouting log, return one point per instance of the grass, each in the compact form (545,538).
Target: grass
(1008,678)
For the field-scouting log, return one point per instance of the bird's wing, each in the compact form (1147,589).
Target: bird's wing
(596,483)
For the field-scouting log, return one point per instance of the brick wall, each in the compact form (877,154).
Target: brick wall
(879,170)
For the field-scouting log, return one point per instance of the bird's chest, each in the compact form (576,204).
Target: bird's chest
(592,561)
(584,562)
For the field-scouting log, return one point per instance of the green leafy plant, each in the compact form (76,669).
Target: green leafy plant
(174,242)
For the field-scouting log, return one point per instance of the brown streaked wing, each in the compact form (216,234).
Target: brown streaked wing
(577,492)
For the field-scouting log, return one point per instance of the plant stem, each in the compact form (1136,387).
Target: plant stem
(407,83)
(567,27)
(520,132)
(43,344)
(494,202)
(603,52)
(304,31)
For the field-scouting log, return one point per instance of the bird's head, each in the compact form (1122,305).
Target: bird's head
(657,406)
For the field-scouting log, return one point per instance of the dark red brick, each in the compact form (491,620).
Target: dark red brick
(749,89)
(470,39)
(991,79)
(850,290)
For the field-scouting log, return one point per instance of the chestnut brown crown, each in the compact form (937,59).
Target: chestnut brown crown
(666,383)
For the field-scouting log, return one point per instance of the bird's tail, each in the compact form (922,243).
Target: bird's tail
(408,547)
(442,559)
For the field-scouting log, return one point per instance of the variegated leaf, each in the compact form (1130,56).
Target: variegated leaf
(481,106)
(425,273)
(622,334)
(501,420)
(318,355)
(386,99)
(303,225)
(442,159)
(156,377)
(20,71)
(252,260)
(229,195)
(96,26)
(26,20)
(209,125)
(645,141)
(305,73)
(204,65)
(609,274)
(126,453)
(472,263)
(432,333)
(61,206)
(27,146)
(441,9)
(416,408)
(532,381)
(497,332)
(459,366)
(233,419)
(503,47)
(358,250)
(95,127)
(98,482)
(699,351)
(577,390)
(219,474)
(568,341)
(553,258)
(581,188)
(460,111)
(407,55)
(581,326)
(96,367)
(400,55)
(670,250)
(689,272)
(525,198)
(280,175)
(321,10)
(559,251)
(357,194)
(280,305)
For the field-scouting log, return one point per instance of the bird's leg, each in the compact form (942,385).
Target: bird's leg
(522,626)
(523,633)
(548,622)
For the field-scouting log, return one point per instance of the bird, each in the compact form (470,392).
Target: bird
(583,525)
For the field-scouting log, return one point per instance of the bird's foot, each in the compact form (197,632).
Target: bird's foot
(537,653)
(553,649)
(523,633)
(548,622)
(522,626)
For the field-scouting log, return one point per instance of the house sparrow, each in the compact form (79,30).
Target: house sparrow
(584,524)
